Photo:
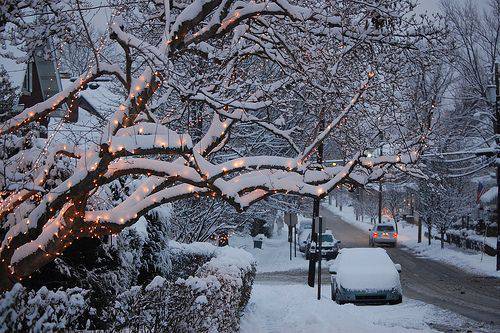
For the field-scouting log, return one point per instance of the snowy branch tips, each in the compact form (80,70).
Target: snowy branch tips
(259,77)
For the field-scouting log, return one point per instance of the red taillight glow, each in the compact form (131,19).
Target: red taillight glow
(375,234)
(395,235)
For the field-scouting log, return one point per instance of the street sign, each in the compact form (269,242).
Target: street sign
(290,219)
(317,224)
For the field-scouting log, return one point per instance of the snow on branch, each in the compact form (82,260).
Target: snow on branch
(50,105)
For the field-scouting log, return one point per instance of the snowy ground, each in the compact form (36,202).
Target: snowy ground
(294,308)
(283,306)
(407,235)
(275,253)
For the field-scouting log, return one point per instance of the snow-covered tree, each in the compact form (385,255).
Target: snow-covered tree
(226,99)
(470,124)
(8,96)
(442,200)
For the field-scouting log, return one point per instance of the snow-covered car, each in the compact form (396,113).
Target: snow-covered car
(329,246)
(305,226)
(365,275)
(304,239)
(383,234)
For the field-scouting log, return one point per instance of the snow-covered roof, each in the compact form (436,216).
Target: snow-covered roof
(87,129)
(89,126)
(105,98)
(490,195)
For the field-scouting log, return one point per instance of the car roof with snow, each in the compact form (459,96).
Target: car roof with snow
(366,269)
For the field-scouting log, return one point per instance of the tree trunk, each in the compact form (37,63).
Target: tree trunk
(429,235)
(5,282)
(442,240)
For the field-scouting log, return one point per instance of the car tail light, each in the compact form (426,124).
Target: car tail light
(395,235)
(375,234)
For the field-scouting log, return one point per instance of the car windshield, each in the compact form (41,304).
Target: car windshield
(327,238)
(385,228)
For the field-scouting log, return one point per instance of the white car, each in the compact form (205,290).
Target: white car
(383,234)
(365,275)
(304,239)
(305,226)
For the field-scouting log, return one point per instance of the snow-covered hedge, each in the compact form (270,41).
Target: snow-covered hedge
(206,293)
(468,239)
(44,310)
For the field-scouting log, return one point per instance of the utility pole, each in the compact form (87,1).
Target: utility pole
(316,203)
(497,132)
(380,196)
(493,96)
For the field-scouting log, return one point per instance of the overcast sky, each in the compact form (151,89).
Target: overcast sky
(430,6)
(433,6)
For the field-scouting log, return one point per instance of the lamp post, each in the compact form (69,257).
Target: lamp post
(380,196)
(493,94)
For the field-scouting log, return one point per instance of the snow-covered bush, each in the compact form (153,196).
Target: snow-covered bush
(207,296)
(22,310)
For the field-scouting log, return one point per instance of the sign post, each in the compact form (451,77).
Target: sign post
(295,241)
(290,220)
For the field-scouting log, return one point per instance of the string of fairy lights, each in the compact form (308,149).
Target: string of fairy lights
(95,227)
(71,103)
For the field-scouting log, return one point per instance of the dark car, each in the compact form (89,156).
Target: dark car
(329,246)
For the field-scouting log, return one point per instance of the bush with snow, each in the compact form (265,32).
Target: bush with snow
(22,310)
(208,295)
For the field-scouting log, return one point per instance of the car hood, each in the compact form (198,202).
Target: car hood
(324,244)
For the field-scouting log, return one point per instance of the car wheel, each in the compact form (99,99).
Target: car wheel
(397,301)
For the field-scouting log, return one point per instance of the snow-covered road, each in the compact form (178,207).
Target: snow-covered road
(438,283)
(282,302)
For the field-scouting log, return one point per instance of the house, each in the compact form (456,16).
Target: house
(39,79)
(35,80)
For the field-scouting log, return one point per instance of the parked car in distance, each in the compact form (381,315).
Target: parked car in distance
(365,275)
(383,234)
(329,246)
(304,239)
(305,226)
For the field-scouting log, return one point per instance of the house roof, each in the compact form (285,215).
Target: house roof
(103,96)
(104,100)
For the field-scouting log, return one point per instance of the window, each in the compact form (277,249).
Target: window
(28,79)
(49,81)
(385,228)
(327,238)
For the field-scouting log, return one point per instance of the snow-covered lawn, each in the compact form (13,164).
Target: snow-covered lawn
(294,308)
(275,253)
(407,236)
